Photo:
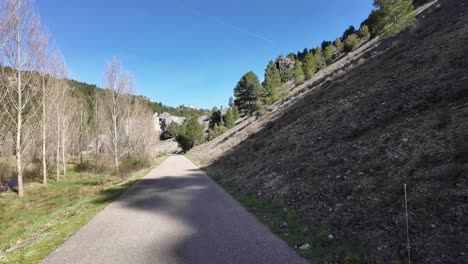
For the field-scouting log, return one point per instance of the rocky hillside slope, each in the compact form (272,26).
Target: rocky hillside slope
(339,149)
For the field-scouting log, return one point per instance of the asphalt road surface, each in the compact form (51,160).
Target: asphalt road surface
(176,214)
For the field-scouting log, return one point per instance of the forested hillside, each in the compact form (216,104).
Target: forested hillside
(354,150)
(49,120)
(88,91)
(285,74)
(340,148)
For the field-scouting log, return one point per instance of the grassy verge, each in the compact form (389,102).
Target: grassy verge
(33,226)
(286,224)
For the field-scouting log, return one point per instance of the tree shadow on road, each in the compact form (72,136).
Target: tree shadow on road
(217,228)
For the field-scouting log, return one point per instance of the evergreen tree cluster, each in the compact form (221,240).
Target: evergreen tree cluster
(388,18)
(158,107)
(191,133)
(172,131)
(272,88)
(216,118)
(220,123)
(87,91)
(252,96)
(351,43)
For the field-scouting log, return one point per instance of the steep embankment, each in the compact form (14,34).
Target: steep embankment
(340,148)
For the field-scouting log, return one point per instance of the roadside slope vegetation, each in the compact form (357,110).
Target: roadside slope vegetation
(340,147)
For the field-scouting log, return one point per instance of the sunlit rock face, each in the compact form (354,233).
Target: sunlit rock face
(156,123)
(285,64)
(165,119)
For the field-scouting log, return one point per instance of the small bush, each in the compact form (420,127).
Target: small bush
(136,163)
(261,110)
(364,32)
(352,258)
(351,43)
(100,167)
(84,167)
(250,201)
(328,53)
(32,174)
(131,164)
(216,132)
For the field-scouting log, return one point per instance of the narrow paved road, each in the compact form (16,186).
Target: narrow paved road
(176,214)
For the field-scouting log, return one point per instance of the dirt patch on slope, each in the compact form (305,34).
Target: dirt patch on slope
(340,154)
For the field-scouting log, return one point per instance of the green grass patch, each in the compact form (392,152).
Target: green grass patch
(287,225)
(33,226)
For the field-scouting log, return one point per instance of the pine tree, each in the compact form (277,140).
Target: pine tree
(229,118)
(364,32)
(301,55)
(190,134)
(392,16)
(272,85)
(215,118)
(351,30)
(298,72)
(287,75)
(236,113)
(216,131)
(351,43)
(328,54)
(338,45)
(291,56)
(309,66)
(246,93)
(319,60)
(324,44)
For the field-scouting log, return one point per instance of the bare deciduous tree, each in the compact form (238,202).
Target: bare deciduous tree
(119,86)
(141,131)
(60,98)
(68,114)
(40,111)
(45,82)
(4,35)
(82,117)
(96,125)
(21,49)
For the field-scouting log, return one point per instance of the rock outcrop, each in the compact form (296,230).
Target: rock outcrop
(161,123)
(169,146)
(284,65)
(204,121)
(165,119)
(157,123)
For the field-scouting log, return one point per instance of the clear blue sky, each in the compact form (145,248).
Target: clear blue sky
(190,52)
